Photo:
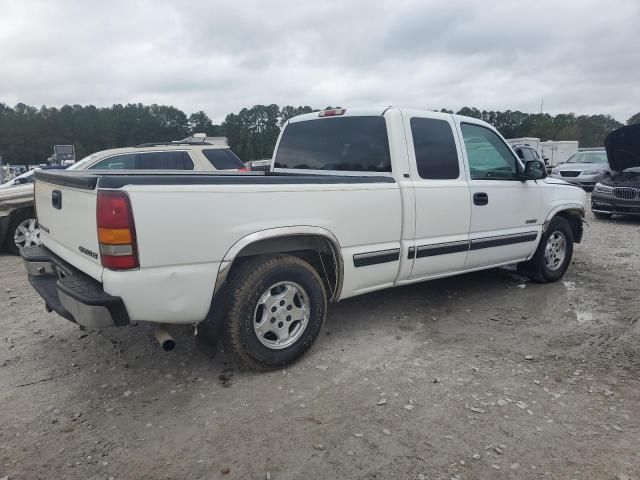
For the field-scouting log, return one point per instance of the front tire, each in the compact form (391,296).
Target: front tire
(553,254)
(275,310)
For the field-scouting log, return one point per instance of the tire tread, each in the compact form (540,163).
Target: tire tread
(240,286)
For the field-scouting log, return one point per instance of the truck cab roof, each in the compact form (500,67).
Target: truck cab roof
(374,112)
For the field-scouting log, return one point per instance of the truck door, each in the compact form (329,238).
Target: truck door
(505,211)
(442,198)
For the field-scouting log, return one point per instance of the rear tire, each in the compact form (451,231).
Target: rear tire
(275,310)
(602,216)
(553,254)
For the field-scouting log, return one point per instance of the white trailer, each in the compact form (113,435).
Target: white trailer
(558,151)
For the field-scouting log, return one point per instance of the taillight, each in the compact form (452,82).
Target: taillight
(116,231)
(244,169)
(334,112)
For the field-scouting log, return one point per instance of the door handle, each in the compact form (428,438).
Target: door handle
(56,199)
(480,198)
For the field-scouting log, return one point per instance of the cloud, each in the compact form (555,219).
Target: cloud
(581,56)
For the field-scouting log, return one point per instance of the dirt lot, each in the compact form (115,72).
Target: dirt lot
(480,376)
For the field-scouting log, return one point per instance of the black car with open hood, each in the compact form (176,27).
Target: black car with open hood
(620,192)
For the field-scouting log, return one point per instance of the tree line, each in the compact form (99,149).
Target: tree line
(27,134)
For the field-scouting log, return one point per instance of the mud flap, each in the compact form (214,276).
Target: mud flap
(210,330)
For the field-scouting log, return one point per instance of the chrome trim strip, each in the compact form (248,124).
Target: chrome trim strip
(374,258)
(501,240)
(442,248)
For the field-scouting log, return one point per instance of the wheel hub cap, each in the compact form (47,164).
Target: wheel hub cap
(27,233)
(555,250)
(282,315)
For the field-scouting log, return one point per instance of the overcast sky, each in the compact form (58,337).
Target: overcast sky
(582,56)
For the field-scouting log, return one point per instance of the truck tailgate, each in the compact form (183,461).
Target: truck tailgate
(67,219)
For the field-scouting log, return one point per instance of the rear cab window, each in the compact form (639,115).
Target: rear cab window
(222,158)
(356,144)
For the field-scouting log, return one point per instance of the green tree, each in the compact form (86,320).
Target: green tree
(199,122)
(634,119)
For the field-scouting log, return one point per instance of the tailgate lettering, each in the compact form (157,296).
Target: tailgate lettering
(86,251)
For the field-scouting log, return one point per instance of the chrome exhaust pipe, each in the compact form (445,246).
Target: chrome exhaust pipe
(165,340)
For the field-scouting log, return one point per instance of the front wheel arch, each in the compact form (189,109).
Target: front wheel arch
(575,217)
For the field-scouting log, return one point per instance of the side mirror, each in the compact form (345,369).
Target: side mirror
(534,170)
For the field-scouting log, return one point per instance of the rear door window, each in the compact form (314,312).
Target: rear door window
(345,144)
(223,159)
(173,160)
(435,149)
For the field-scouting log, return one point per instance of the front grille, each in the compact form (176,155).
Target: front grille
(625,193)
(569,173)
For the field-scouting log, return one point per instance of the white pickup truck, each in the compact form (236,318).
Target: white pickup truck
(356,201)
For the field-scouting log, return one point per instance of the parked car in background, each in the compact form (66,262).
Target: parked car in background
(619,193)
(357,201)
(26,177)
(527,152)
(18,226)
(585,168)
(192,156)
(259,165)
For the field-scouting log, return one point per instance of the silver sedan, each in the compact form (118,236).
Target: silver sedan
(585,168)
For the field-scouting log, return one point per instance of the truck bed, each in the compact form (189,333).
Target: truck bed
(185,224)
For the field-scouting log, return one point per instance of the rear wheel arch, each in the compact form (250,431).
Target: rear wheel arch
(317,246)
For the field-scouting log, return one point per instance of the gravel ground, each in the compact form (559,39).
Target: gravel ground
(479,376)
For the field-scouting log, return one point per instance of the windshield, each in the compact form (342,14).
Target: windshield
(589,157)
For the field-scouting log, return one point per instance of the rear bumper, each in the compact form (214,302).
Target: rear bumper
(70,293)
(610,204)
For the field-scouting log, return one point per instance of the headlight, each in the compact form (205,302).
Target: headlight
(555,171)
(591,172)
(600,188)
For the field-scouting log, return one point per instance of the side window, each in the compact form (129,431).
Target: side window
(489,157)
(436,155)
(222,158)
(174,160)
(126,161)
